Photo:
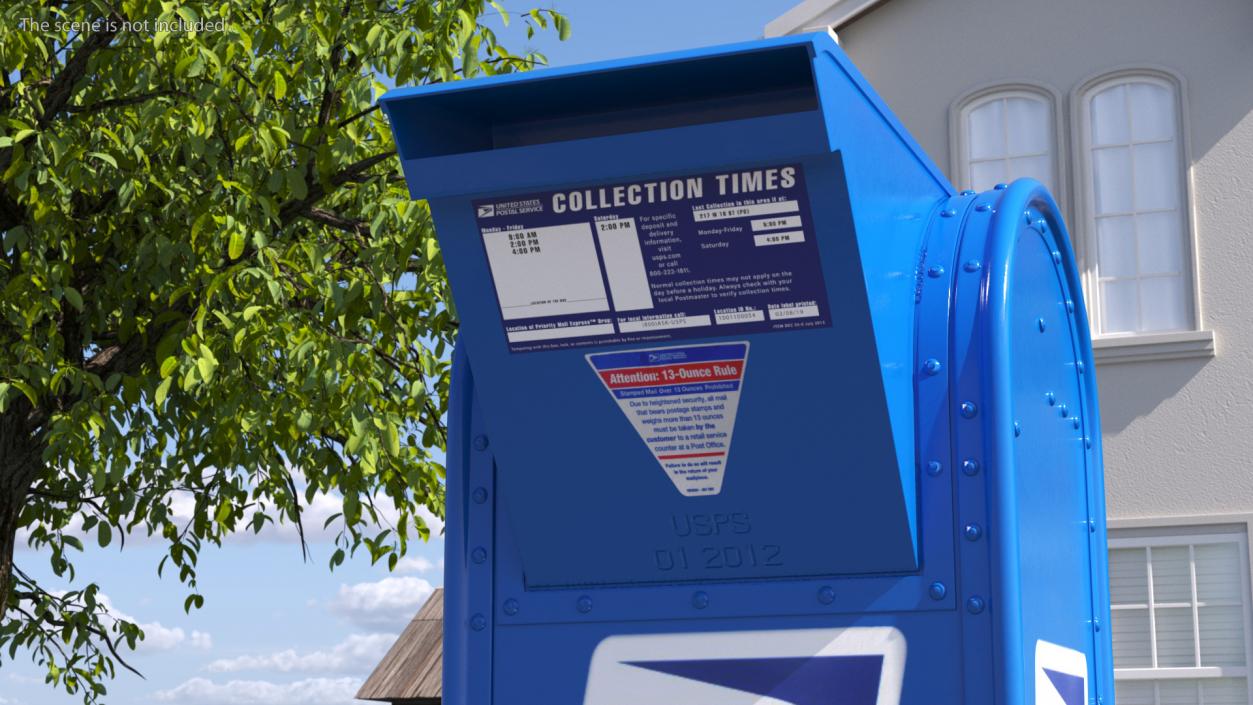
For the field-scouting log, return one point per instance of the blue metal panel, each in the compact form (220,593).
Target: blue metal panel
(941,518)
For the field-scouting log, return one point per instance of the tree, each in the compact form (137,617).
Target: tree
(213,283)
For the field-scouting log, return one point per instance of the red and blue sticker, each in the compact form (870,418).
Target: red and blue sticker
(682,402)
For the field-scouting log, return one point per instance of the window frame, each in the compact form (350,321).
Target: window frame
(1191,531)
(959,143)
(1084,230)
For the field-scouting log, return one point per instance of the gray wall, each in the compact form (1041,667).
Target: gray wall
(1178,433)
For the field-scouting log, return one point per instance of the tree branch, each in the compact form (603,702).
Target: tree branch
(123,102)
(292,210)
(64,83)
(325,217)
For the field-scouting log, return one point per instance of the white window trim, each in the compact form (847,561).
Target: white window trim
(1192,529)
(1148,347)
(959,142)
(1136,347)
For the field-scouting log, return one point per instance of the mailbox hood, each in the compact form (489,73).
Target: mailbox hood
(755,199)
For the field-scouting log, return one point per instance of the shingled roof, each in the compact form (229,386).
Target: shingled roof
(412,671)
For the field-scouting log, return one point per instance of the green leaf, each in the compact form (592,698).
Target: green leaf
(168,366)
(280,86)
(27,390)
(206,364)
(76,299)
(189,15)
(236,247)
(563,26)
(106,158)
(193,600)
(392,438)
(104,534)
(354,442)
(162,390)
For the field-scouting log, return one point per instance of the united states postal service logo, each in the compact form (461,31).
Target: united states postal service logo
(1061,675)
(486,211)
(849,666)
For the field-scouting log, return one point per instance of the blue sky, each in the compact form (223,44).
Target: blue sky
(275,630)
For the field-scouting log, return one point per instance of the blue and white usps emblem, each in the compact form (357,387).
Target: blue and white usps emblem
(1061,675)
(849,666)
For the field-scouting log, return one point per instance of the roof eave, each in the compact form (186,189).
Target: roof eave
(817,15)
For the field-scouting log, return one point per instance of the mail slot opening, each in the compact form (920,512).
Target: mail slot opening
(598,104)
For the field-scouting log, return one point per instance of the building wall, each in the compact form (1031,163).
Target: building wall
(1179,433)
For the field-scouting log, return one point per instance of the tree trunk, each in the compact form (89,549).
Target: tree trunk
(19,464)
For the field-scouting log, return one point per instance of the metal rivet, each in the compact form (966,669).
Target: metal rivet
(948,213)
(972,265)
(1087,441)
(1041,225)
(1079,366)
(584,604)
(973,532)
(1063,411)
(934,468)
(480,442)
(478,622)
(511,607)
(935,272)
(1057,257)
(1050,397)
(970,466)
(1001,187)
(1026,217)
(1091,526)
(700,600)
(480,495)
(983,207)
(1040,324)
(932,366)
(975,604)
(826,595)
(478,555)
(937,591)
(968,409)
(967,192)
(1076,422)
(1017,429)
(1096,625)
(1070,306)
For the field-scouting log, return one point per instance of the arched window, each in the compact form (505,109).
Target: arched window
(1005,133)
(1138,246)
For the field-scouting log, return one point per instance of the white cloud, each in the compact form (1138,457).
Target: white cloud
(357,654)
(418,564)
(24,679)
(387,603)
(311,691)
(157,636)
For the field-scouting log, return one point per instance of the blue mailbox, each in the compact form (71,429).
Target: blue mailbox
(749,405)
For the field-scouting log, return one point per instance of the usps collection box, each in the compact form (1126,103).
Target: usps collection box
(750,405)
